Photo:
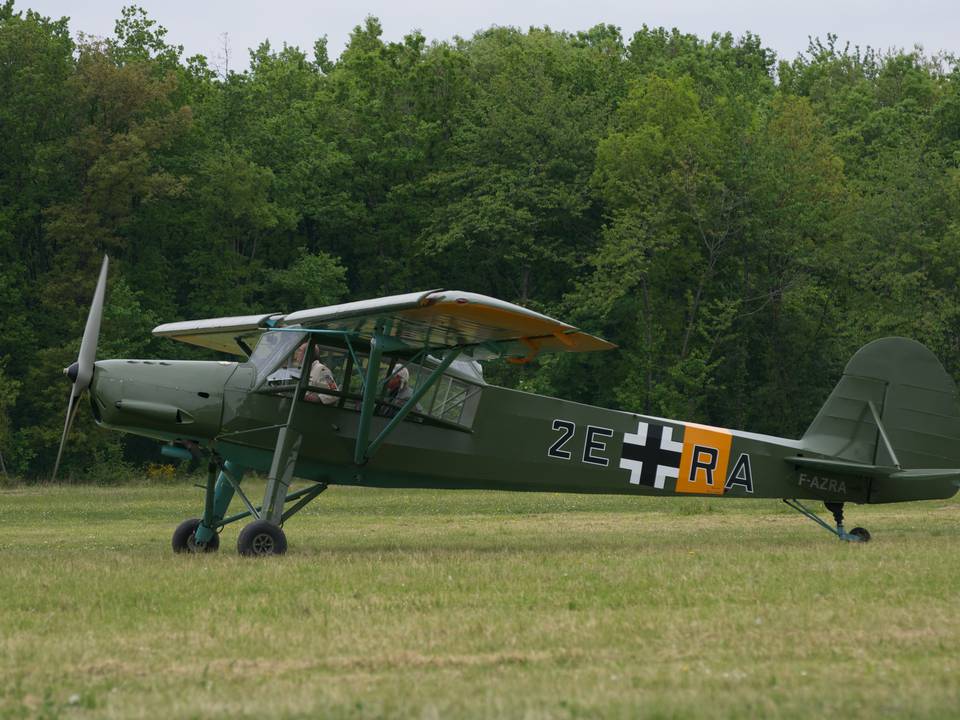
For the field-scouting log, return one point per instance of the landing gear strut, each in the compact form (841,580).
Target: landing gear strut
(858,534)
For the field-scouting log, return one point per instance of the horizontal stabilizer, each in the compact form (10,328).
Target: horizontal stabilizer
(918,484)
(920,475)
(844,467)
(889,483)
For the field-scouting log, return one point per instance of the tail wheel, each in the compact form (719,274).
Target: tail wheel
(261,538)
(184,538)
(861,533)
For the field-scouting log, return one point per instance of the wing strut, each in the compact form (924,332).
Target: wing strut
(367,404)
(286,452)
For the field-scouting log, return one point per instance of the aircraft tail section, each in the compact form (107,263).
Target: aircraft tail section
(893,417)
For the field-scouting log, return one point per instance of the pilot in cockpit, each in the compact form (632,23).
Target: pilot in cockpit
(320,376)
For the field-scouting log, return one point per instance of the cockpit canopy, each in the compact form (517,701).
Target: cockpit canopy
(280,360)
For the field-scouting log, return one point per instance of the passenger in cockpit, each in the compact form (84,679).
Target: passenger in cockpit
(398,392)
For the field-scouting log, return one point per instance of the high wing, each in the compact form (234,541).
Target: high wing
(235,335)
(483,327)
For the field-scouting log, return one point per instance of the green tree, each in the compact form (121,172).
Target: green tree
(513,214)
(9,389)
(313,280)
(662,174)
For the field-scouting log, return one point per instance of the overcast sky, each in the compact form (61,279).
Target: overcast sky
(198,25)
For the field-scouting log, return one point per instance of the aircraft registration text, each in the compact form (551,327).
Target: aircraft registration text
(817,482)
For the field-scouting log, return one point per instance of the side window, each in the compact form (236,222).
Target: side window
(451,400)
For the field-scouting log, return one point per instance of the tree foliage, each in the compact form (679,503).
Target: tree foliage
(737,225)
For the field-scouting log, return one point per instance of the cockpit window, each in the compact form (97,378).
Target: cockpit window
(272,351)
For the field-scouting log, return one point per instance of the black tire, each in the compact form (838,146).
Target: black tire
(861,533)
(184,541)
(261,538)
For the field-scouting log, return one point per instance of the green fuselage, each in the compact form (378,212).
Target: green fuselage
(514,441)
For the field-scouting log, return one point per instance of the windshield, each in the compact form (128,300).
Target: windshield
(274,347)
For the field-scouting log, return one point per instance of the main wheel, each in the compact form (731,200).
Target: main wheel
(185,541)
(861,533)
(261,538)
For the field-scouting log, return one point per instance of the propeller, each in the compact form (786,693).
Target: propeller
(81,372)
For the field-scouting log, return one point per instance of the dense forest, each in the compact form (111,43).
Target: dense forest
(739,225)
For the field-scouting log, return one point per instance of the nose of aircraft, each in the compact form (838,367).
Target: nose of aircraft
(164,399)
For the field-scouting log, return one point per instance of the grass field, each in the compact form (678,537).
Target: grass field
(462,604)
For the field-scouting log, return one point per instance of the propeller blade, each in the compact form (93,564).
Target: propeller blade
(72,404)
(91,333)
(81,372)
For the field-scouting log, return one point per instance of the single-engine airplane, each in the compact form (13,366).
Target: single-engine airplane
(403,403)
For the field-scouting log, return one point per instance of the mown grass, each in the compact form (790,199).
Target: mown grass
(461,604)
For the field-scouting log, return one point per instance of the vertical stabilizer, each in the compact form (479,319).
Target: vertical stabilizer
(894,406)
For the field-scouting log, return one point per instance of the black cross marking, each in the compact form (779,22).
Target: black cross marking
(650,457)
